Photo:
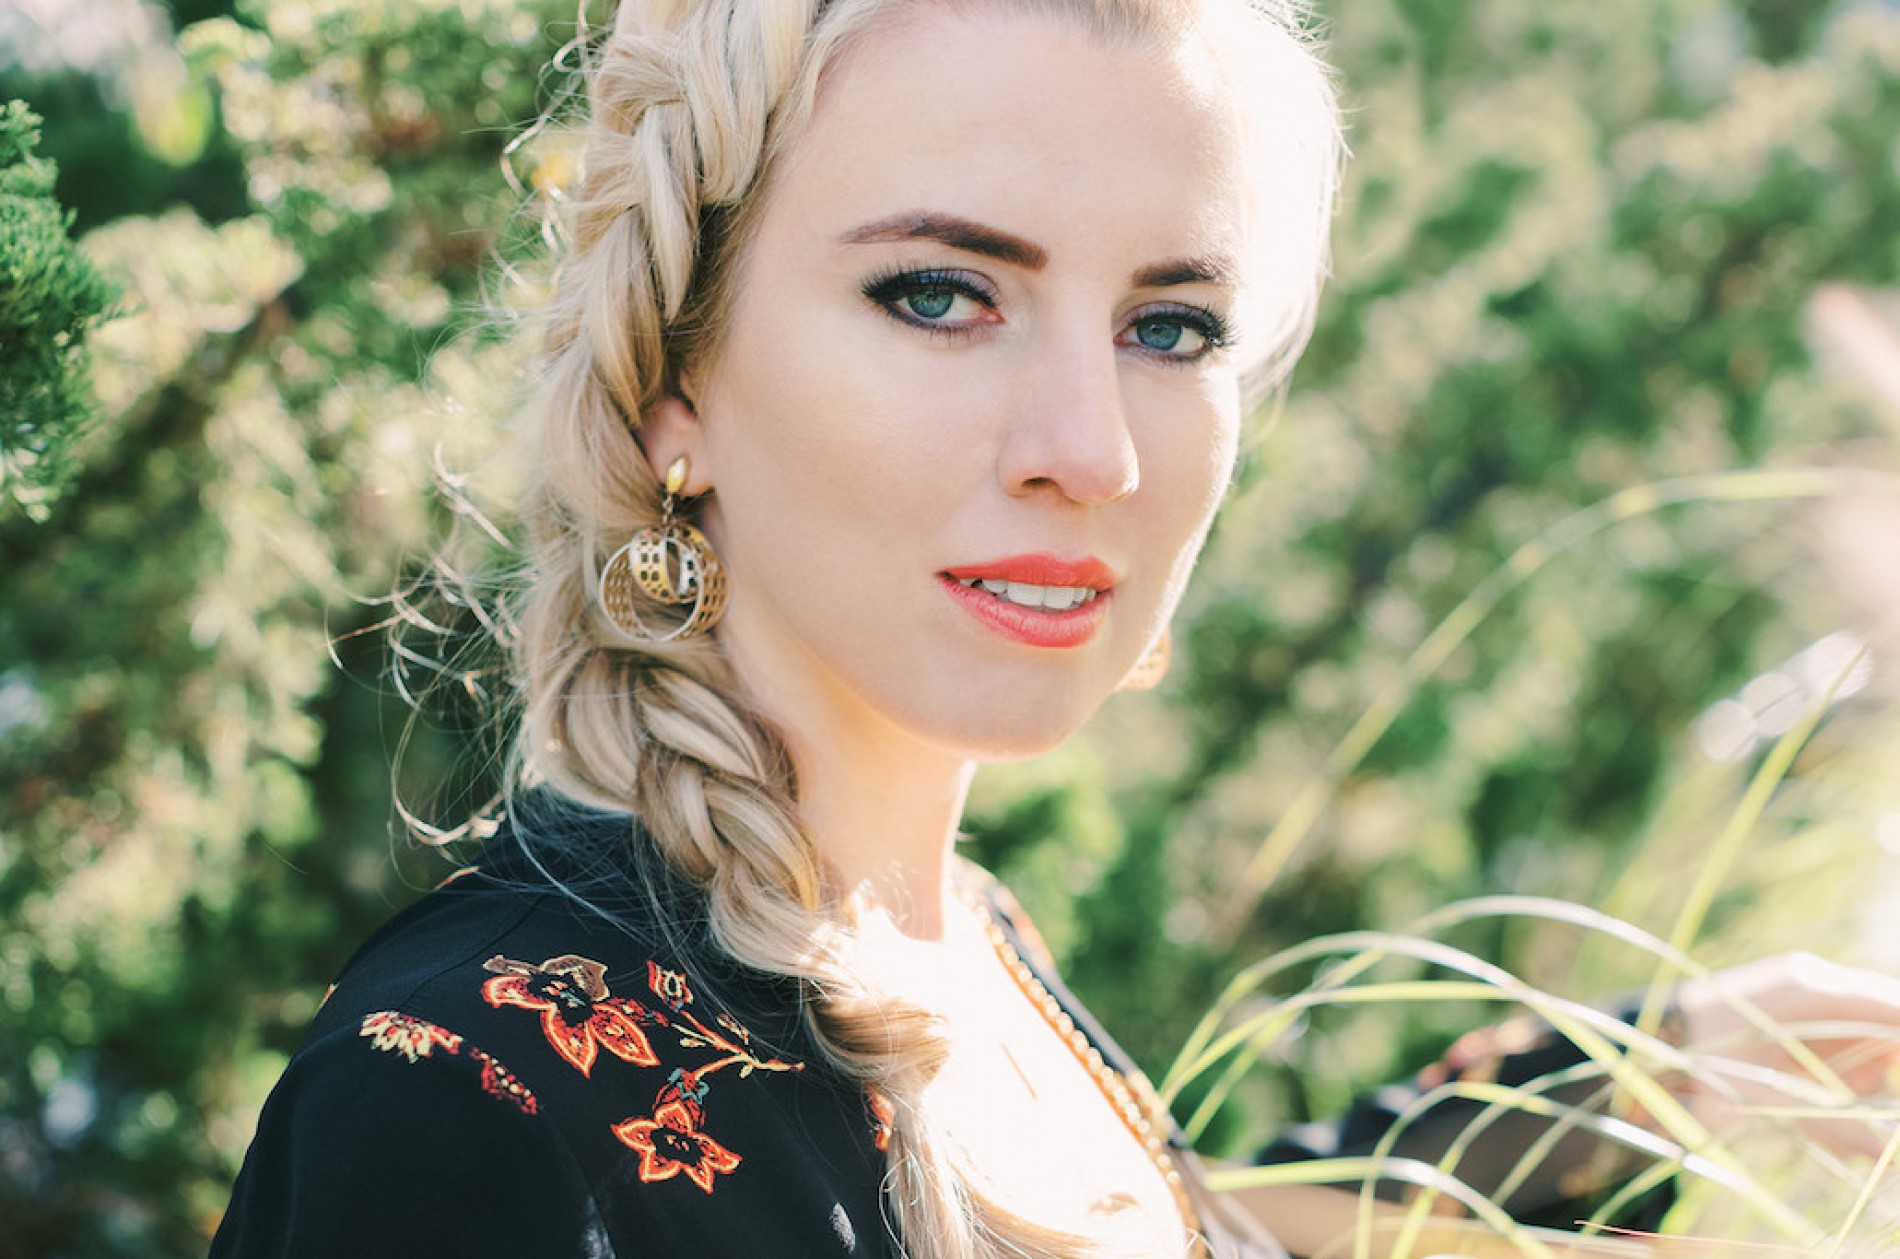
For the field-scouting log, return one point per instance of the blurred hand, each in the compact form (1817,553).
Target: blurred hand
(1800,1035)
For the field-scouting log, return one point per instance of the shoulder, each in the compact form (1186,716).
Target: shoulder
(374,1152)
(541,956)
(544,1052)
(401,1121)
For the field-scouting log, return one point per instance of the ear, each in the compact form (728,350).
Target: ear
(671,428)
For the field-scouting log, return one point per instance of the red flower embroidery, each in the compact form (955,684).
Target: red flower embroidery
(1477,1055)
(413,1038)
(499,1081)
(671,1143)
(668,985)
(578,1017)
(688,1090)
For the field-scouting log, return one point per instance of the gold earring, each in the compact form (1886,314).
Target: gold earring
(1153,665)
(672,564)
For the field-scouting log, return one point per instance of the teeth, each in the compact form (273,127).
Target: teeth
(1027,595)
(1049,598)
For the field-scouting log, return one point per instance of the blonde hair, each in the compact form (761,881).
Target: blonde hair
(690,104)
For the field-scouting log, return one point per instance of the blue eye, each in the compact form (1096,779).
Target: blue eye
(1176,334)
(930,303)
(1159,334)
(945,303)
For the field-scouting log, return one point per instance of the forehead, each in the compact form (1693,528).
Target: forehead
(1028,122)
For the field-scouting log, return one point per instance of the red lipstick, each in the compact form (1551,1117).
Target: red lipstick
(1070,622)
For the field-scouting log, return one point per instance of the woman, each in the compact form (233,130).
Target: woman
(894,377)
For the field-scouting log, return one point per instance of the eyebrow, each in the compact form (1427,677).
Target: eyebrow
(990,242)
(1213,269)
(952,231)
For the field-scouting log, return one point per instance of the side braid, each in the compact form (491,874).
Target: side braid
(689,103)
(679,118)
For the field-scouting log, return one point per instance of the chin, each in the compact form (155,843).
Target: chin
(1008,733)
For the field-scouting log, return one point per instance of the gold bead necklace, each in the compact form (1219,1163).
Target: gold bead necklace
(1133,1100)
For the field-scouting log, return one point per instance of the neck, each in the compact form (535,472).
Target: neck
(885,831)
(882,806)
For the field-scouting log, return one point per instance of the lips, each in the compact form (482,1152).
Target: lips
(1040,600)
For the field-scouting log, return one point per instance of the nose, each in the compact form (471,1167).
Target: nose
(1069,431)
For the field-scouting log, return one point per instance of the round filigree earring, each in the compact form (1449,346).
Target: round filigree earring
(671,564)
(1153,665)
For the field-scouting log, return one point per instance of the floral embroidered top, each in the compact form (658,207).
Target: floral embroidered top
(502,1071)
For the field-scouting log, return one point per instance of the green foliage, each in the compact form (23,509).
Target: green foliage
(1574,256)
(50,296)
(1575,250)
(195,813)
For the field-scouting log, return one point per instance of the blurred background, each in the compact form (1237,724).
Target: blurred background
(1578,520)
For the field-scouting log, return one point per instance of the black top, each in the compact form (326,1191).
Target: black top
(500,1071)
(503,1071)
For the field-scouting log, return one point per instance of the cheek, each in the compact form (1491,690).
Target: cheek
(1190,477)
(863,427)
(1189,457)
(772,422)
(822,442)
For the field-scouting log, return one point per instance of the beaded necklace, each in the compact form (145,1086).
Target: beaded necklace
(1133,1100)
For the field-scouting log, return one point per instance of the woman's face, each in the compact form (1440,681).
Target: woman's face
(977,401)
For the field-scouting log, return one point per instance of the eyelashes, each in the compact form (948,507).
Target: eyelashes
(954,305)
(926,298)
(1162,329)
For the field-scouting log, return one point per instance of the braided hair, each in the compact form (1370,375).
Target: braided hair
(690,103)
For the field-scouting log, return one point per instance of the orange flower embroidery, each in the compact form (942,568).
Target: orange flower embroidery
(671,1143)
(734,1026)
(413,1038)
(395,1032)
(499,1081)
(669,985)
(578,1016)
(1477,1055)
